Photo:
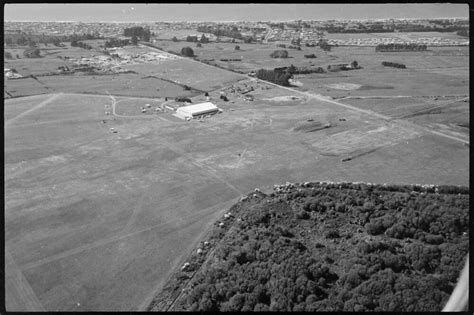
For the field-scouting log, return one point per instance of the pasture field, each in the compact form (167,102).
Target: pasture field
(49,62)
(408,83)
(452,110)
(156,79)
(254,56)
(451,61)
(183,71)
(127,84)
(25,87)
(110,215)
(438,72)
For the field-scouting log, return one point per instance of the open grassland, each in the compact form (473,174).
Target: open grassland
(254,56)
(419,109)
(21,105)
(434,74)
(25,87)
(52,58)
(451,61)
(110,215)
(187,72)
(127,84)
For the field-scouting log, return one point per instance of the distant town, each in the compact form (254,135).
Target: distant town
(304,32)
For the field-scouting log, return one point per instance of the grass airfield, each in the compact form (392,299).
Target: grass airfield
(108,216)
(97,221)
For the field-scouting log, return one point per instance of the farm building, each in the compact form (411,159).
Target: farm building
(197,110)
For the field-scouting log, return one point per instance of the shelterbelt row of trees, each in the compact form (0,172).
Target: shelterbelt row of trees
(400,47)
(32,40)
(393,64)
(114,42)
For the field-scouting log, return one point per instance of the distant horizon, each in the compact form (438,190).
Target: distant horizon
(152,13)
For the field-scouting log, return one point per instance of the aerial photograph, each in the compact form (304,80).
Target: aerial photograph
(236,157)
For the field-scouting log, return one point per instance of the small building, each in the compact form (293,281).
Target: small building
(197,110)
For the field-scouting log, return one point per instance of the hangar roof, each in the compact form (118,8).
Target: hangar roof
(198,108)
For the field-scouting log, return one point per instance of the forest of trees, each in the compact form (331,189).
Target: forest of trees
(401,47)
(335,247)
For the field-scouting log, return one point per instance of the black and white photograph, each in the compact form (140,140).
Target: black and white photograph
(236,157)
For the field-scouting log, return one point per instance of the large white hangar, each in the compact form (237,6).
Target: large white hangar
(192,111)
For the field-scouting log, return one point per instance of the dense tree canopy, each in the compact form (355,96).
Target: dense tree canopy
(273,76)
(113,42)
(138,31)
(335,247)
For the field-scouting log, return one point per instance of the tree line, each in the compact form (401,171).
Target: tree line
(202,40)
(401,47)
(300,70)
(115,42)
(45,39)
(75,43)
